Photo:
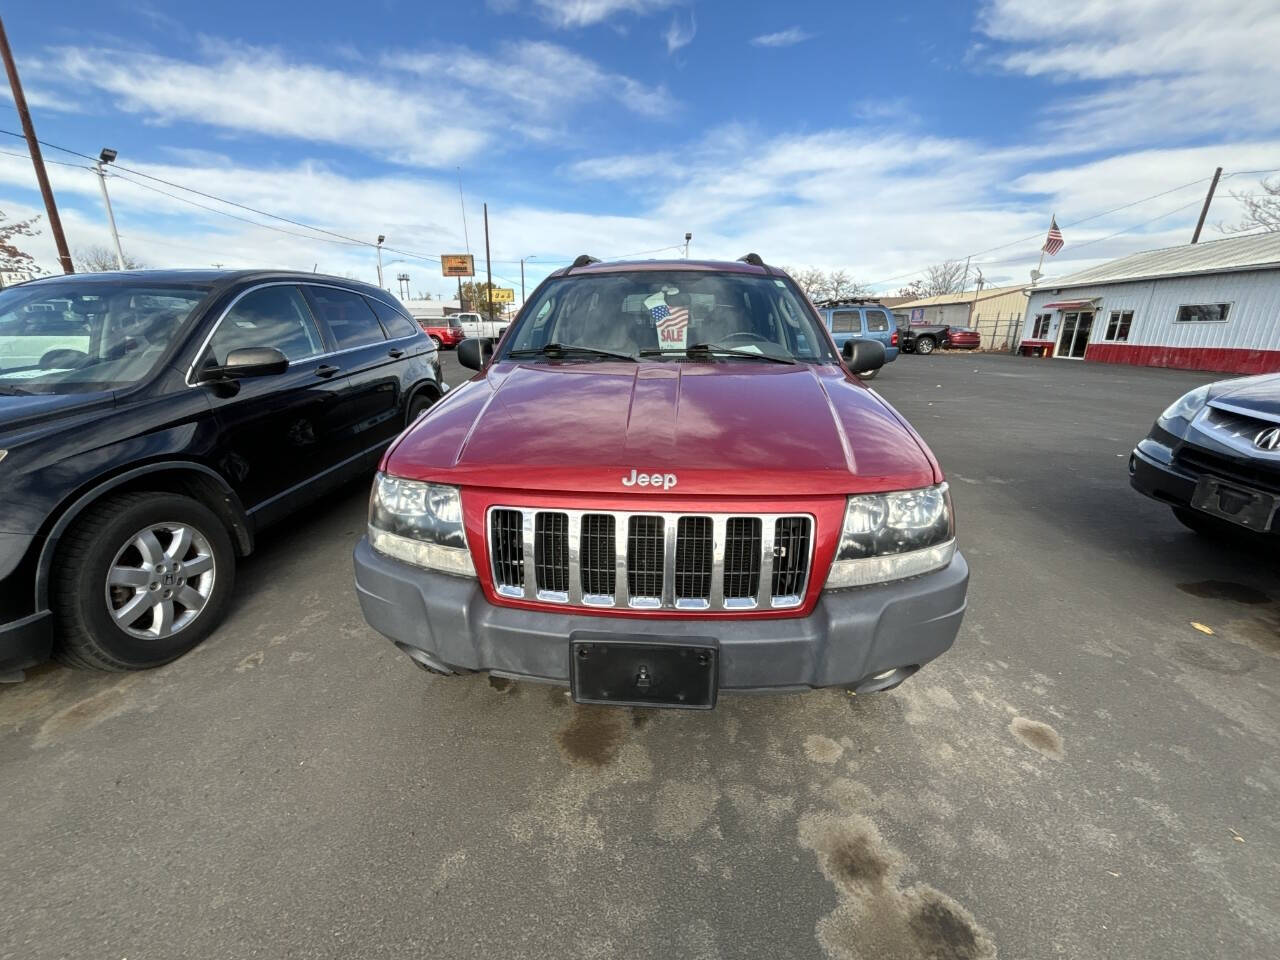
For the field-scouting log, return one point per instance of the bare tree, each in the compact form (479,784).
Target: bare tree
(810,279)
(840,286)
(946,277)
(99,259)
(914,290)
(1261,212)
(818,285)
(12,257)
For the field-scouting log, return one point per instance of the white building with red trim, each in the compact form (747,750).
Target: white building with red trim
(1207,306)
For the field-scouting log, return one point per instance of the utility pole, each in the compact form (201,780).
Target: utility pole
(1204,211)
(403,280)
(964,281)
(107,156)
(380,239)
(488,266)
(522,260)
(33,147)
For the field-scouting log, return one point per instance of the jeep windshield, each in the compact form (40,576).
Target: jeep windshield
(77,337)
(714,316)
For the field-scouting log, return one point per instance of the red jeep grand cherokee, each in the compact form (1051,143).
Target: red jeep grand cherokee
(665,484)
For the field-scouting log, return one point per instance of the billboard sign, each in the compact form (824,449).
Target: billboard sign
(457,265)
(917,315)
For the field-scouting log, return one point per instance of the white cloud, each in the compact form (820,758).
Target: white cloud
(1166,69)
(541,78)
(783,38)
(679,33)
(584,13)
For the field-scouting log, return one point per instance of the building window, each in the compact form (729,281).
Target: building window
(1119,324)
(1041,329)
(1203,313)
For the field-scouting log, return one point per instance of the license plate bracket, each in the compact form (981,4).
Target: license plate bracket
(618,670)
(1240,505)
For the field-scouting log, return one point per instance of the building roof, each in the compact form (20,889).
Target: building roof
(1233,254)
(967,296)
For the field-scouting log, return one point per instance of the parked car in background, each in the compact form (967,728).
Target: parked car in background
(153,422)
(860,319)
(1214,456)
(665,483)
(446,332)
(474,325)
(926,339)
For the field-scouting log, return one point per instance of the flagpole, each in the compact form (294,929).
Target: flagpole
(1052,218)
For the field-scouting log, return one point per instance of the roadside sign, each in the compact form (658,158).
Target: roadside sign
(457,265)
(917,315)
(504,295)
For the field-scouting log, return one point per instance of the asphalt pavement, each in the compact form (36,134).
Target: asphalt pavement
(1090,772)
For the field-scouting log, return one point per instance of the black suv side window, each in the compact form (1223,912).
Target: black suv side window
(394,323)
(275,316)
(348,315)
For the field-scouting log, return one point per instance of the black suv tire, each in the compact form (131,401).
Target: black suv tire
(88,636)
(925,345)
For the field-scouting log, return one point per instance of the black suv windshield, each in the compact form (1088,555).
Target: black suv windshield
(75,337)
(652,314)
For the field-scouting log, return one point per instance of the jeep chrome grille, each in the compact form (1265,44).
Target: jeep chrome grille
(651,560)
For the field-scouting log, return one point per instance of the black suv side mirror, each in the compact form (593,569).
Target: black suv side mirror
(863,355)
(475,352)
(248,362)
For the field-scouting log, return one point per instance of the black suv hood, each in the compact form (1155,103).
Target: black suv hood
(25,411)
(1257,394)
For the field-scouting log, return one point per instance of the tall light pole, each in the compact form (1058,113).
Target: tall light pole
(687,238)
(403,280)
(380,239)
(522,260)
(107,156)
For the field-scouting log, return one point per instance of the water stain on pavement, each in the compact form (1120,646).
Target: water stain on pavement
(500,683)
(1224,590)
(875,917)
(1230,659)
(593,735)
(1038,736)
(86,713)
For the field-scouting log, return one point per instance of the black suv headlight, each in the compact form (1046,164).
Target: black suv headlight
(889,536)
(419,523)
(1186,406)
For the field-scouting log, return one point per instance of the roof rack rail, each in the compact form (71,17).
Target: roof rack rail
(847,300)
(751,258)
(585,260)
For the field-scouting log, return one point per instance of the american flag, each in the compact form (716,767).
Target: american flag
(1053,242)
(672,324)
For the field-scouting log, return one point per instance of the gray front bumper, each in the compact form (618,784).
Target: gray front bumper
(851,635)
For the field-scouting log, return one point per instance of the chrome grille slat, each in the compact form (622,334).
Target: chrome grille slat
(649,560)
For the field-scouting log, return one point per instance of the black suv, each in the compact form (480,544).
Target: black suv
(152,422)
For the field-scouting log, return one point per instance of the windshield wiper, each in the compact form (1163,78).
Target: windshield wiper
(711,350)
(10,391)
(554,350)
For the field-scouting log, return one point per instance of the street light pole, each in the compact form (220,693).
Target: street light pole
(522,260)
(107,156)
(687,238)
(380,239)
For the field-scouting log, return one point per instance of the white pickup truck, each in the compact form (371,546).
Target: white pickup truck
(474,325)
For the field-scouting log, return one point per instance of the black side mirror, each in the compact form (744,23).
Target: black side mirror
(475,352)
(863,355)
(248,362)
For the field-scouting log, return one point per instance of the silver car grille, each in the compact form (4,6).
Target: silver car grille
(650,561)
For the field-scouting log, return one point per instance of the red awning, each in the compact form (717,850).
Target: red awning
(1067,305)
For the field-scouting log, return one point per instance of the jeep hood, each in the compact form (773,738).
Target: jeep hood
(724,429)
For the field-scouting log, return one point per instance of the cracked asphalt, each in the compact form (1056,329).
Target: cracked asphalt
(1088,773)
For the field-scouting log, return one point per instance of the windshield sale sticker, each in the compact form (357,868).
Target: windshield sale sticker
(672,323)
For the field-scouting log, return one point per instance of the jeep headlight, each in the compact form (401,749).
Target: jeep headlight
(419,523)
(889,536)
(1187,405)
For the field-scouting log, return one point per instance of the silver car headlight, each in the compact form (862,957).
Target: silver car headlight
(419,523)
(889,536)
(1186,406)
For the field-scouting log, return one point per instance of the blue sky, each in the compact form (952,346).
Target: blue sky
(874,137)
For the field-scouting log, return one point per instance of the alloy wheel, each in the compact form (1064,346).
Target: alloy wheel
(160,580)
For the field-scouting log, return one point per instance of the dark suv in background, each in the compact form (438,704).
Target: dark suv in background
(152,422)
